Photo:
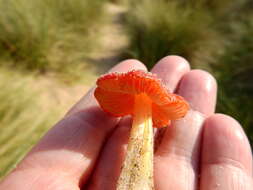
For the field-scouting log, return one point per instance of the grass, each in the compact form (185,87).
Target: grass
(22,118)
(159,28)
(47,35)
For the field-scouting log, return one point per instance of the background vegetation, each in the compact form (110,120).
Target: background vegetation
(45,35)
(211,34)
(45,44)
(22,118)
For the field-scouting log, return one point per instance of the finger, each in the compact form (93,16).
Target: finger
(109,166)
(170,69)
(72,146)
(199,88)
(226,156)
(176,159)
(107,172)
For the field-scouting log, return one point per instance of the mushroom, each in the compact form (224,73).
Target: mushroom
(141,95)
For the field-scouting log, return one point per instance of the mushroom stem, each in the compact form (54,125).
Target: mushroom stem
(137,171)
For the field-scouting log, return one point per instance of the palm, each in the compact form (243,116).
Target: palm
(86,149)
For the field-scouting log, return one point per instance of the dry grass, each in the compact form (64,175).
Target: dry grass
(29,106)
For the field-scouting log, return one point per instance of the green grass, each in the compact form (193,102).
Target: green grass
(45,35)
(22,118)
(159,28)
(195,29)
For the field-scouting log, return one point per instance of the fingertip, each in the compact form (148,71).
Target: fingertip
(225,142)
(170,69)
(173,59)
(202,78)
(199,88)
(205,76)
(128,65)
(226,124)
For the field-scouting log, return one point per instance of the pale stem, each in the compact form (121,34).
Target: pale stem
(137,171)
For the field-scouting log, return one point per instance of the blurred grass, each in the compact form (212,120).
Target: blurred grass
(159,28)
(22,118)
(45,35)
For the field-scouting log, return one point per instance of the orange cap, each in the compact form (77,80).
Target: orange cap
(115,93)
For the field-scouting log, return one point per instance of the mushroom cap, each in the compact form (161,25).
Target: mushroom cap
(116,92)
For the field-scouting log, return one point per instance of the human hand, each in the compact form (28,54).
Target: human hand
(85,150)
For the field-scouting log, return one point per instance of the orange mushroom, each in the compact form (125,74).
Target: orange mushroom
(142,95)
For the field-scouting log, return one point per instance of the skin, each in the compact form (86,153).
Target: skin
(86,148)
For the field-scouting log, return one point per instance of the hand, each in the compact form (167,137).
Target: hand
(85,150)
